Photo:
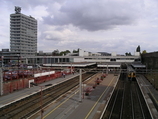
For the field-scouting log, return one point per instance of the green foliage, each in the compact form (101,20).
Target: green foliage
(144,51)
(64,52)
(75,51)
(56,52)
(128,54)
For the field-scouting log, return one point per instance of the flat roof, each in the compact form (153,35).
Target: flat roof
(109,64)
(82,64)
(138,65)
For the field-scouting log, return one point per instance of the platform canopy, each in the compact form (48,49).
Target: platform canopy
(110,65)
(81,64)
(138,65)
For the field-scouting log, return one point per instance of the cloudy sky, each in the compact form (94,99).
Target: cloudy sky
(92,25)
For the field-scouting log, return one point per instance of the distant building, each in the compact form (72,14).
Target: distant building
(23,34)
(150,60)
(105,53)
(86,53)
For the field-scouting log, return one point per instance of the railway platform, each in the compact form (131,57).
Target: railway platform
(150,94)
(17,95)
(89,107)
(92,105)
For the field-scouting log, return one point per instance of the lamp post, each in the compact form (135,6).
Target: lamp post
(1,81)
(107,69)
(18,64)
(41,101)
(2,61)
(80,86)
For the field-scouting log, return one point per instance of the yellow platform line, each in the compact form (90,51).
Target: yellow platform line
(98,100)
(59,105)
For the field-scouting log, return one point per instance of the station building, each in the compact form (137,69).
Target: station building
(10,57)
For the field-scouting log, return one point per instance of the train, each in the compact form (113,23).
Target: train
(131,73)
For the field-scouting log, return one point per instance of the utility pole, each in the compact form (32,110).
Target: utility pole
(41,100)
(2,61)
(107,70)
(18,64)
(1,82)
(80,86)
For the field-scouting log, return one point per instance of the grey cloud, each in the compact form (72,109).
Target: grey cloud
(25,4)
(95,15)
(51,37)
(59,29)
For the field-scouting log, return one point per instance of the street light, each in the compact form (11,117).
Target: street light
(18,64)
(80,86)
(1,82)
(41,97)
(41,100)
(2,61)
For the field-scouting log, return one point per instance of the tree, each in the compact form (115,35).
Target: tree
(144,51)
(128,54)
(56,52)
(76,51)
(64,52)
(138,48)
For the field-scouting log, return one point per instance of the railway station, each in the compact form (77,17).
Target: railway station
(87,86)
(78,90)
(82,85)
(93,88)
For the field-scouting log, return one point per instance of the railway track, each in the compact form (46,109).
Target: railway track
(26,107)
(127,102)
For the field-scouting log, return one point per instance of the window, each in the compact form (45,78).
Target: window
(113,60)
